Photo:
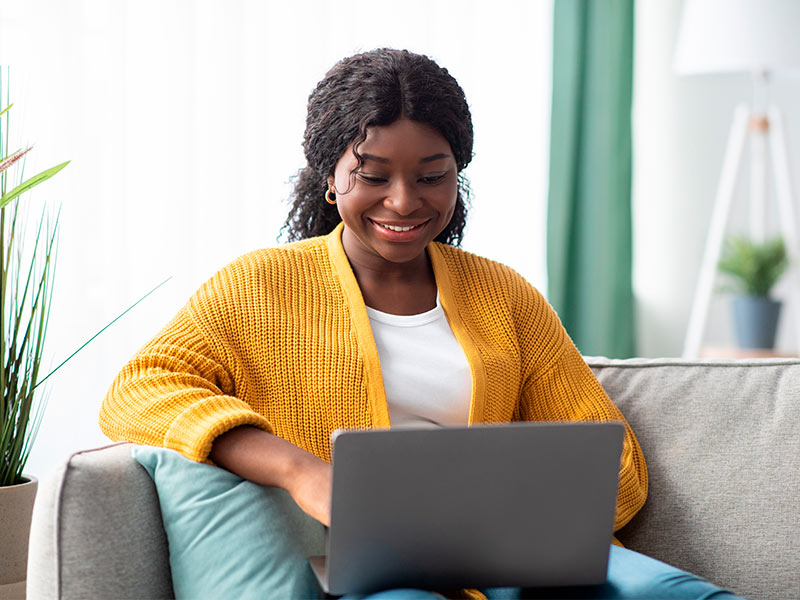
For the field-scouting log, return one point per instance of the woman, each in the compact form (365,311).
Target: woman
(371,317)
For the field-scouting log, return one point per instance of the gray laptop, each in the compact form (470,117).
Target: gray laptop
(521,504)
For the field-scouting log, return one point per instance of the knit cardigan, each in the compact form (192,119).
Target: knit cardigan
(280,339)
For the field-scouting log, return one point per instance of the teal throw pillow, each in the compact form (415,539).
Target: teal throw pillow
(228,537)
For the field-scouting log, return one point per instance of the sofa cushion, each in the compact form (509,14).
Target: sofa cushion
(230,538)
(722,445)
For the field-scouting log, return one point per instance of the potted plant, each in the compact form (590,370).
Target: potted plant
(27,255)
(753,268)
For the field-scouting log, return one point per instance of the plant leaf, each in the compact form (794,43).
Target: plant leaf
(118,317)
(5,110)
(31,183)
(754,267)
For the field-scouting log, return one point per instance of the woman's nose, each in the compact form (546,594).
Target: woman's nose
(403,199)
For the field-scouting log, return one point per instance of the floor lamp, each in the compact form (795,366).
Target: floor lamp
(760,37)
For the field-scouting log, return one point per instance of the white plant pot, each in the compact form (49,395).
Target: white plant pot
(16,507)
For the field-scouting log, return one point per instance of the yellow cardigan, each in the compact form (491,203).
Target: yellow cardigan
(280,339)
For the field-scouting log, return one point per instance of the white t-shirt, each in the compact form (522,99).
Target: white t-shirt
(425,371)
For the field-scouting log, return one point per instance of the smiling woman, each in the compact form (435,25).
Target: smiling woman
(372,318)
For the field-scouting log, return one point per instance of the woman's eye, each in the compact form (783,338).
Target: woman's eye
(374,179)
(429,179)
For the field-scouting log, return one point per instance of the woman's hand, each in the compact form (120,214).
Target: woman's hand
(266,459)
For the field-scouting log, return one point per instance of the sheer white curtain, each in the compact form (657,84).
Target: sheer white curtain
(183,120)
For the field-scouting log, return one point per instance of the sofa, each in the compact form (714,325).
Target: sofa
(721,439)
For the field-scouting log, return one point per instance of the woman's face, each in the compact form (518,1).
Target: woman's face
(400,199)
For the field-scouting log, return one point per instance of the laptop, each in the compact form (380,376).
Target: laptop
(519,504)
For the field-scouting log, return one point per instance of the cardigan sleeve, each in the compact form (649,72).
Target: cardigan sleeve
(176,392)
(560,386)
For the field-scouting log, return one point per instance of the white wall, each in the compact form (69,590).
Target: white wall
(680,131)
(183,120)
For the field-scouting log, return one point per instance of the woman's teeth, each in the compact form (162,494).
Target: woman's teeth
(397,228)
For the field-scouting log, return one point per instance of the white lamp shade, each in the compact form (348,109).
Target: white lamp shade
(719,36)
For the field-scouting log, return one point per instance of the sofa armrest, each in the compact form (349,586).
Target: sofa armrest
(97,531)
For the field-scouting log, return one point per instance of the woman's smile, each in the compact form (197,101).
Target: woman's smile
(397,232)
(399,198)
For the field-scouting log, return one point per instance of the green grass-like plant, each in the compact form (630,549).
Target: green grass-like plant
(753,268)
(27,269)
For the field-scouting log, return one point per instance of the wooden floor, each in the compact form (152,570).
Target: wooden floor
(730,352)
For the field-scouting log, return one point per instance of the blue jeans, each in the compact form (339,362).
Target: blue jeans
(630,576)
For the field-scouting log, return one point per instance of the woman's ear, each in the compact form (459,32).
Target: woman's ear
(331,181)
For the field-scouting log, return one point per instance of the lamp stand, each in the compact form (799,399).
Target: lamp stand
(767,132)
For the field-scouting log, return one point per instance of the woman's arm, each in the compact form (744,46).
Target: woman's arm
(266,459)
(175,393)
(569,391)
(558,385)
(192,389)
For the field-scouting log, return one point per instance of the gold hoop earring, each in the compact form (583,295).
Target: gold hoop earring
(328,198)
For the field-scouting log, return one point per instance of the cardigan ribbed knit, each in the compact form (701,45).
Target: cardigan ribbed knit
(280,339)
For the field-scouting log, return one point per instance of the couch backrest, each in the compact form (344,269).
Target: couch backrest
(722,444)
(97,532)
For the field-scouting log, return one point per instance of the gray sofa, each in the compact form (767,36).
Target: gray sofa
(721,438)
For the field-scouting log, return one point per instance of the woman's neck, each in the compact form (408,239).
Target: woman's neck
(403,289)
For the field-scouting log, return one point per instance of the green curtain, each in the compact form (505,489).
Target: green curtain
(589,245)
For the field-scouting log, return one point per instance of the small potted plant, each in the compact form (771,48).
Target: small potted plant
(753,268)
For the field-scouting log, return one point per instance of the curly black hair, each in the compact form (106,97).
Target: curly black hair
(375,89)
